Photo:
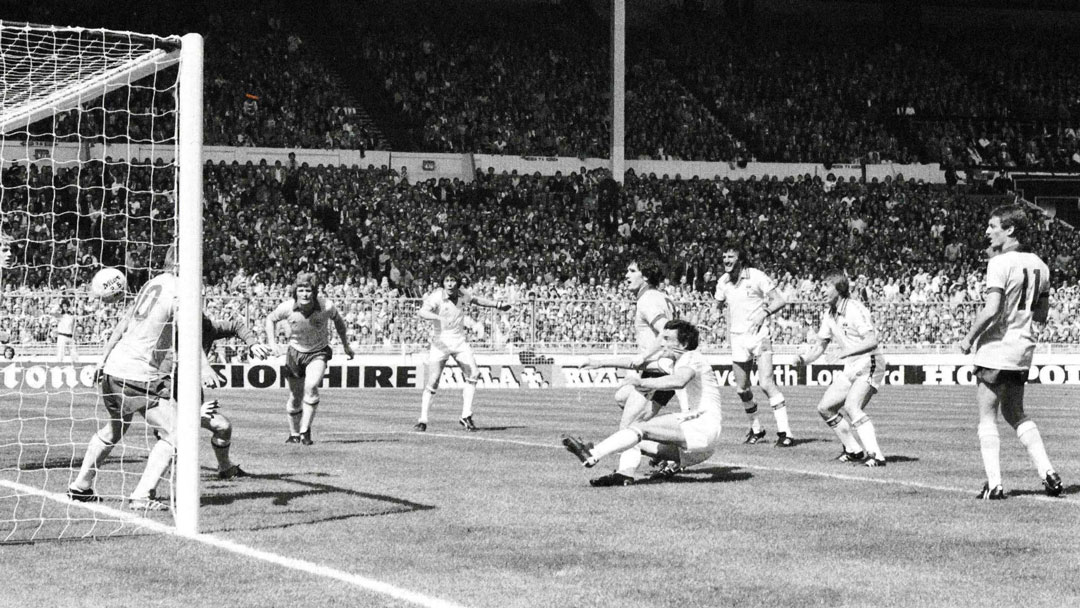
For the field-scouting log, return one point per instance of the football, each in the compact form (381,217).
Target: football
(109,284)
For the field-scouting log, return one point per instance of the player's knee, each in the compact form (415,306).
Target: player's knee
(311,401)
(108,436)
(828,410)
(292,407)
(1014,416)
(222,438)
(622,396)
(777,401)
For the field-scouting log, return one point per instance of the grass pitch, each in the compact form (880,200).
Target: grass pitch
(376,515)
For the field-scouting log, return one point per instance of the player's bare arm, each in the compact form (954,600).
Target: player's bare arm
(489,303)
(774,303)
(812,352)
(991,308)
(679,378)
(343,331)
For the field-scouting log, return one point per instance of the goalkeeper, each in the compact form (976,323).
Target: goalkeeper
(212,418)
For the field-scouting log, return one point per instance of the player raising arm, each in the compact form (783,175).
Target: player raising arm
(444,307)
(308,316)
(1003,336)
(848,323)
(684,438)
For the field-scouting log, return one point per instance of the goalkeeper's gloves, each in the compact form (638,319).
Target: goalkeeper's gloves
(208,409)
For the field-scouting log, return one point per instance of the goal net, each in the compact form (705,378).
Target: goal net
(100,145)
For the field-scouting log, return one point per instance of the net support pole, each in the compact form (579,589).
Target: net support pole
(189,258)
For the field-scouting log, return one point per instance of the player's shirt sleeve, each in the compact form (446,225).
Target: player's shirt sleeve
(656,309)
(762,281)
(431,302)
(281,312)
(997,274)
(721,287)
(825,329)
(860,318)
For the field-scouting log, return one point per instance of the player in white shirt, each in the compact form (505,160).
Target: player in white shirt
(751,298)
(136,376)
(445,308)
(65,334)
(652,311)
(1003,334)
(688,437)
(309,317)
(848,323)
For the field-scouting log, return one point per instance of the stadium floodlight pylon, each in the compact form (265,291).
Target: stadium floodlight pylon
(101,149)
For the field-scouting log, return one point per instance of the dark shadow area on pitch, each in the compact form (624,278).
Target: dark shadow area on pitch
(351,441)
(708,475)
(1068,490)
(481,429)
(892,459)
(306,489)
(71,462)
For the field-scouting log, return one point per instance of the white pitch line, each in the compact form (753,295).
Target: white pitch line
(743,465)
(363,582)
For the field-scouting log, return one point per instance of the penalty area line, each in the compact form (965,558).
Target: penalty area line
(362,582)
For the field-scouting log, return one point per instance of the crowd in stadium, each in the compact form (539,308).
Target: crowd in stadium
(374,238)
(533,79)
(694,91)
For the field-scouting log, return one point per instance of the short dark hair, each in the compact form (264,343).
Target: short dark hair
(745,260)
(651,269)
(1013,216)
(685,332)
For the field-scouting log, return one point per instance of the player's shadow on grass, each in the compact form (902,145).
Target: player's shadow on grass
(710,475)
(895,458)
(481,429)
(388,505)
(1073,489)
(373,440)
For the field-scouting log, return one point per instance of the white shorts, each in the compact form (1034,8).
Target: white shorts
(702,436)
(865,368)
(747,347)
(442,348)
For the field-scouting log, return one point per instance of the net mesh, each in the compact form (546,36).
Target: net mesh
(88,181)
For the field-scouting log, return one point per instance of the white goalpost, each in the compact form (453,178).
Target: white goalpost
(101,163)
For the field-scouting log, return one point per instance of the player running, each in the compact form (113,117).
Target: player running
(309,316)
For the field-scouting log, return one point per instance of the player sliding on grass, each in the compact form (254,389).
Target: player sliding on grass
(1003,334)
(444,307)
(684,438)
(848,323)
(309,317)
(653,310)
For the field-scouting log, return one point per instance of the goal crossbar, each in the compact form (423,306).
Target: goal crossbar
(26,99)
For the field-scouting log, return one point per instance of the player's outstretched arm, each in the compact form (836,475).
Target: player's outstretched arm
(679,378)
(489,303)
